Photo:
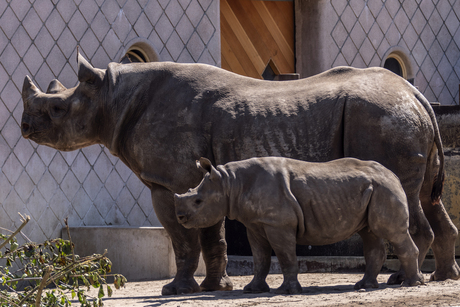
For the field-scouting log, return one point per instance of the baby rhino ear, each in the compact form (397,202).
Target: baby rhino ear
(204,165)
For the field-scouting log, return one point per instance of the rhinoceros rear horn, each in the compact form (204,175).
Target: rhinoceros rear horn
(28,89)
(55,87)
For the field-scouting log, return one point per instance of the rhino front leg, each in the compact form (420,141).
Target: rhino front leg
(214,249)
(261,252)
(185,244)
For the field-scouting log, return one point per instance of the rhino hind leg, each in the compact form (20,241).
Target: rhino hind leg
(374,255)
(421,234)
(284,245)
(445,235)
(407,253)
(445,232)
(388,220)
(261,251)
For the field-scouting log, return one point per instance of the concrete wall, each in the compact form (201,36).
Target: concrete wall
(362,33)
(39,39)
(138,253)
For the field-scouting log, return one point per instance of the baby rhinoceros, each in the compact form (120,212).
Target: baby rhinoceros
(284,201)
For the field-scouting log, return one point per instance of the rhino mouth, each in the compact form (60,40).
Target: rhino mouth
(185,220)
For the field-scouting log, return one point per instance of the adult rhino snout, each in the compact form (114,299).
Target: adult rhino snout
(26,127)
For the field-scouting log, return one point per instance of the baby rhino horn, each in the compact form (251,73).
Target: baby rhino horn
(55,87)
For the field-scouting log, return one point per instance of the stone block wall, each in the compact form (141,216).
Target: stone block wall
(39,38)
(361,33)
(448,118)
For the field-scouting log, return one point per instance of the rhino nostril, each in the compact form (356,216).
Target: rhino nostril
(26,129)
(182,218)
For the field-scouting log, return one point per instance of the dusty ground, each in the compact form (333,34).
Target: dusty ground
(319,289)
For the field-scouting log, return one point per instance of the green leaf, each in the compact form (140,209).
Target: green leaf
(101,292)
(85,281)
(109,291)
(14,246)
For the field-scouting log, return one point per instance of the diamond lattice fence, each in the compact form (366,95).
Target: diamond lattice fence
(359,33)
(39,38)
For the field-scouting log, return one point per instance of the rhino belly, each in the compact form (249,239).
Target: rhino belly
(332,213)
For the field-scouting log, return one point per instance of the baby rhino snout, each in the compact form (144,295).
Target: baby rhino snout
(182,216)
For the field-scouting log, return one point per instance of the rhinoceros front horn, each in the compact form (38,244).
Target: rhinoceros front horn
(28,89)
(55,87)
(85,70)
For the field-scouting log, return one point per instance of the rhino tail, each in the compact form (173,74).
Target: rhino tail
(438,182)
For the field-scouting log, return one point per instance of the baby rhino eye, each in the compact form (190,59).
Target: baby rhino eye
(198,202)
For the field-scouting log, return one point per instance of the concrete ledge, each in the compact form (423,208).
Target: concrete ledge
(139,253)
(146,253)
(244,265)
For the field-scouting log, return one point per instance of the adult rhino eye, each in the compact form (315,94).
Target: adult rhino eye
(198,202)
(56,111)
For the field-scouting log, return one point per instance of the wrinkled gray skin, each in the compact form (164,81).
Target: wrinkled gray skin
(159,117)
(284,202)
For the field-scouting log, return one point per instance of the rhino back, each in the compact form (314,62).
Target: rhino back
(320,118)
(184,111)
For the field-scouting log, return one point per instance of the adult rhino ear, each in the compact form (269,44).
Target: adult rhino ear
(29,89)
(86,72)
(55,87)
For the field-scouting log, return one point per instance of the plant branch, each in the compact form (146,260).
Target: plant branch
(70,239)
(24,222)
(42,285)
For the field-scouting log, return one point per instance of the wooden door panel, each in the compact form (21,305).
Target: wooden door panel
(255,32)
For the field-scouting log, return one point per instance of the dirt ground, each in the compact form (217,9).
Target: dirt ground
(319,289)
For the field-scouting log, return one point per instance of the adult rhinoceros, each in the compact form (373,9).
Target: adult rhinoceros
(159,117)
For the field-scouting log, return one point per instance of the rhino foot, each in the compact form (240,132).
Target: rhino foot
(396,278)
(225,284)
(292,287)
(417,280)
(180,287)
(366,283)
(256,287)
(450,272)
